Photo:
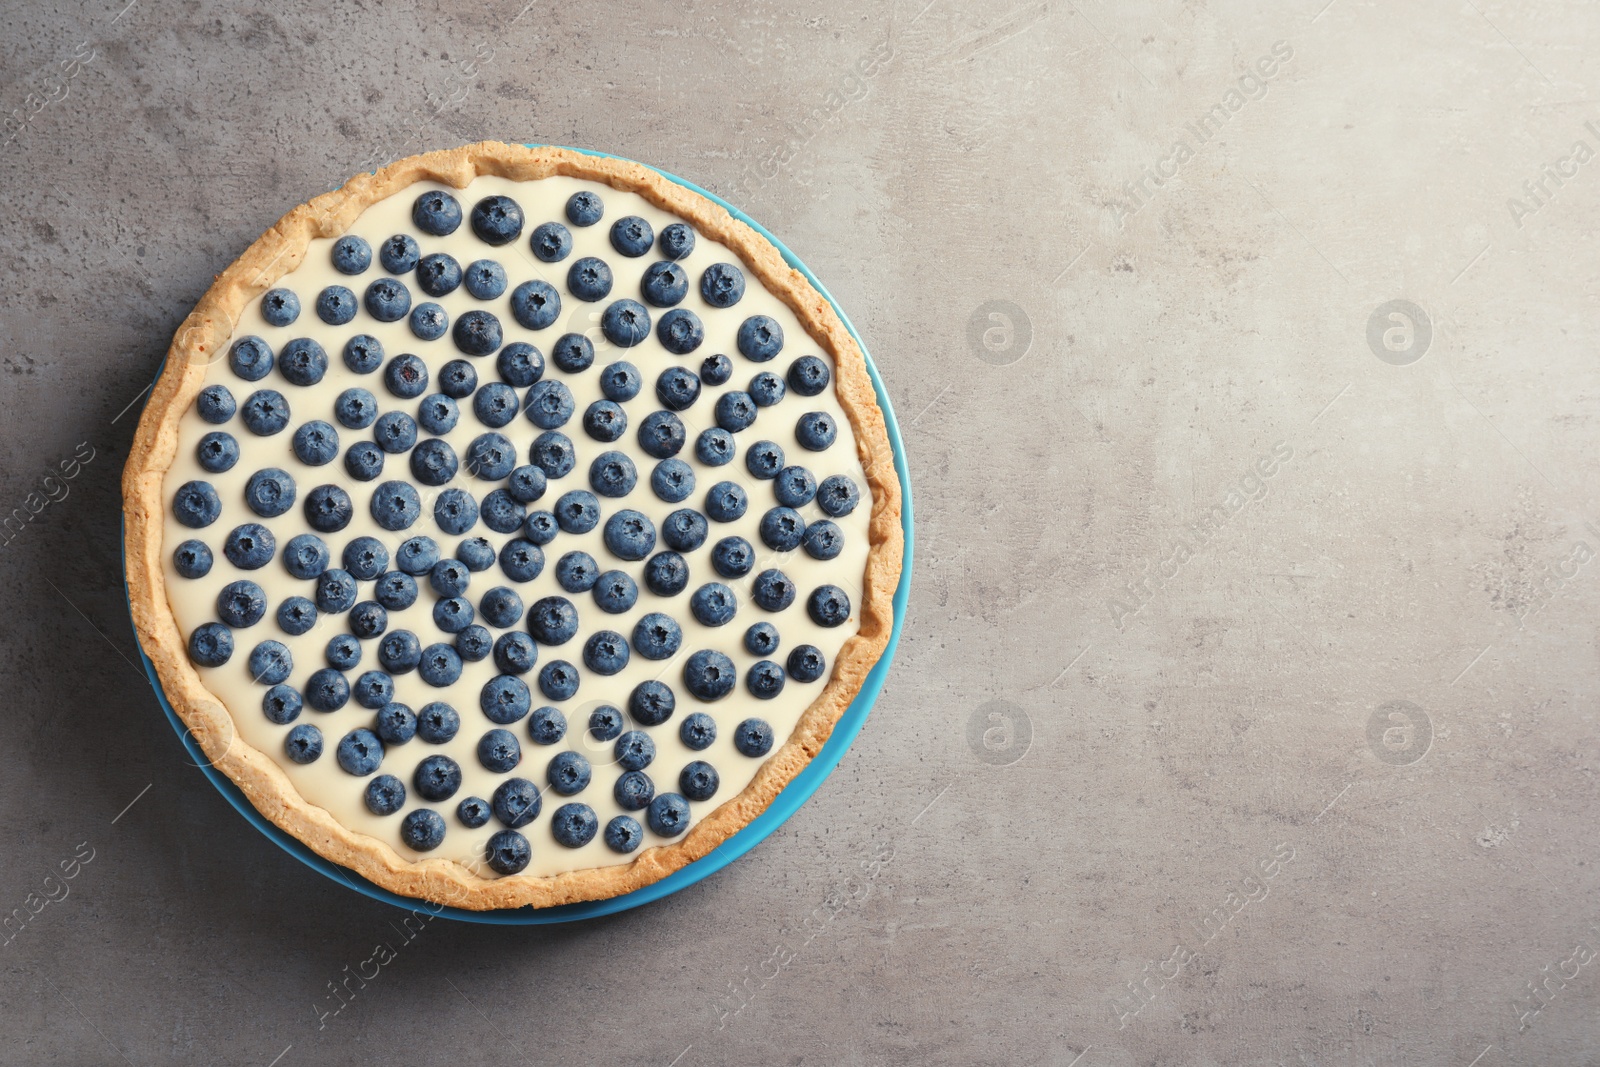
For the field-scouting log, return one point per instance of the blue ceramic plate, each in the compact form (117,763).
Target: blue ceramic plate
(784,805)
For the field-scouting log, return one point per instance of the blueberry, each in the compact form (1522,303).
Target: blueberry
(615,592)
(549,404)
(568,773)
(522,560)
(399,253)
(574,825)
(761,639)
(698,781)
(495,404)
(394,431)
(474,812)
(838,495)
(661,435)
(823,540)
(681,332)
(501,607)
(436,212)
(343,652)
(351,254)
(709,675)
(282,704)
(604,421)
(437,722)
(476,552)
(491,457)
(515,653)
(714,447)
(684,530)
(657,636)
(355,408)
(634,751)
(632,236)
(623,834)
(735,411)
(440,666)
(266,412)
(336,305)
(498,750)
(676,240)
(516,802)
(507,852)
(629,535)
(316,443)
(606,652)
(363,354)
(437,778)
(504,699)
(458,378)
(328,508)
(373,689)
(215,404)
(753,737)
(211,644)
(250,546)
(766,389)
(698,732)
(668,815)
(808,376)
(192,559)
(760,338)
(430,321)
(217,452)
(453,614)
(449,577)
(327,690)
(584,209)
(368,619)
(553,453)
(304,744)
(241,604)
(546,726)
(527,483)
(782,529)
(716,370)
(397,724)
(360,752)
(558,680)
(677,389)
(726,502)
(672,480)
(474,643)
(456,512)
(438,414)
(764,680)
(713,604)
(485,279)
(501,512)
(634,791)
(297,615)
(589,279)
(384,794)
(794,487)
(497,220)
(577,512)
(666,574)
(553,620)
(626,323)
(535,304)
(573,352)
(396,590)
(620,382)
(387,300)
(363,461)
(576,572)
(406,376)
(664,284)
(605,723)
(815,430)
(422,830)
(400,652)
(280,307)
(551,242)
(722,285)
(651,703)
(477,333)
(828,605)
(336,591)
(395,505)
(732,557)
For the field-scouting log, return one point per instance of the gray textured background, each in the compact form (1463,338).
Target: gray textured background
(1115,807)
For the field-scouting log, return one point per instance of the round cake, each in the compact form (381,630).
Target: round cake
(512,525)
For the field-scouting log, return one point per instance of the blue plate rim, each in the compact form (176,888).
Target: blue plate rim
(783,806)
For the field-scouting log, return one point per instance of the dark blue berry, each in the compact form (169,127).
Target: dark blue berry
(828,605)
(604,421)
(315,443)
(501,607)
(760,338)
(453,614)
(497,220)
(515,653)
(823,540)
(664,284)
(585,208)
(477,333)
(838,495)
(662,435)
(363,354)
(782,529)
(589,279)
(351,254)
(573,352)
(568,773)
(282,704)
(438,414)
(753,737)
(626,323)
(535,304)
(396,590)
(551,242)
(666,574)
(400,652)
(546,726)
(668,815)
(577,512)
(605,723)
(714,447)
(634,751)
(328,508)
(343,652)
(192,559)
(794,487)
(363,461)
(355,408)
(215,404)
(507,852)
(395,505)
(732,557)
(368,619)
(440,666)
(681,332)
(816,430)
(726,502)
(766,389)
(651,703)
(336,305)
(553,620)
(449,577)
(520,559)
(676,240)
(474,643)
(491,456)
(297,615)
(623,834)
(437,722)
(436,212)
(553,453)
(677,389)
(527,483)
(304,744)
(394,431)
(211,644)
(629,535)
(516,802)
(761,639)
(476,552)
(684,530)
(250,546)
(722,285)
(672,480)
(698,781)
(387,300)
(241,604)
(657,636)
(397,724)
(504,699)
(399,253)
(574,825)
(455,511)
(808,376)
(280,307)
(615,592)
(458,378)
(406,376)
(437,778)
(764,680)
(549,404)
(735,411)
(632,236)
(328,690)
(485,279)
(634,791)
(336,591)
(709,675)
(558,680)
(713,604)
(495,404)
(620,381)
(606,652)
(360,752)
(698,732)
(266,412)
(430,321)
(422,830)
(217,452)
(576,572)
(716,370)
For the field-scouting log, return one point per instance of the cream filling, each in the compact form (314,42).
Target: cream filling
(323,783)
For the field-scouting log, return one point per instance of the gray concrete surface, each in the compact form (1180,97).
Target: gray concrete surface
(1183,761)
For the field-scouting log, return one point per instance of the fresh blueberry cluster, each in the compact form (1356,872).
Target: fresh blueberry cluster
(494,484)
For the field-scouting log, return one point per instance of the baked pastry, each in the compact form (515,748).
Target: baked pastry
(512,525)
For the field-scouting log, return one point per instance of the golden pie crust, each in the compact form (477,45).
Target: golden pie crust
(204,337)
